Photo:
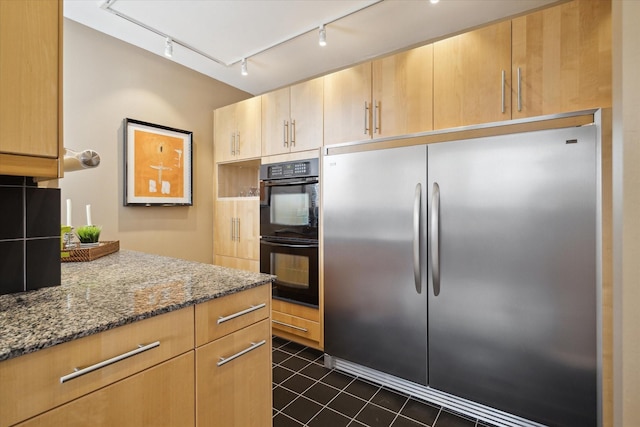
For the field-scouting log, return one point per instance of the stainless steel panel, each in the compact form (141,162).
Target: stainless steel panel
(374,315)
(514,325)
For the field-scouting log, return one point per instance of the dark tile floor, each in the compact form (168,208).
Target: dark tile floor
(305,393)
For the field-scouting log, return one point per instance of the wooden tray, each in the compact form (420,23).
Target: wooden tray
(89,254)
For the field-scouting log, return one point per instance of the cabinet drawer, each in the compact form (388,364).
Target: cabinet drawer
(36,382)
(168,391)
(233,379)
(296,325)
(222,316)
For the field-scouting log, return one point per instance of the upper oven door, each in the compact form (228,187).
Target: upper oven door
(289,209)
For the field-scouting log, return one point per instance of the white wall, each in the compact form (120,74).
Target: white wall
(106,80)
(626,211)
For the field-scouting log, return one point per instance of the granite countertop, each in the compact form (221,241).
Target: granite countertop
(109,292)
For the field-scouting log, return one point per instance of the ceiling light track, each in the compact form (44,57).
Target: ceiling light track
(107,5)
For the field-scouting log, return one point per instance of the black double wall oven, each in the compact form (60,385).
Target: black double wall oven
(289,213)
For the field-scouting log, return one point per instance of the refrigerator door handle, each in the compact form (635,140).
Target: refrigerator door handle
(435,238)
(417,273)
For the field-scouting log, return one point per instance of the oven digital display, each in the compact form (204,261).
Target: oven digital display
(286,170)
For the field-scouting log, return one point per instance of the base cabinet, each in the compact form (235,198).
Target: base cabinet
(167,390)
(233,379)
(205,366)
(297,323)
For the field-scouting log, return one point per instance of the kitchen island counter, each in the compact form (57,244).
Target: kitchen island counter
(112,291)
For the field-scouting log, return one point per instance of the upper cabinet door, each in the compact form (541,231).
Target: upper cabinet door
(275,122)
(30,106)
(237,131)
(306,124)
(403,93)
(562,56)
(292,118)
(347,105)
(472,77)
(224,128)
(248,128)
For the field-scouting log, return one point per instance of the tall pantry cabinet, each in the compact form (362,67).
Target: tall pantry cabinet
(30,87)
(237,149)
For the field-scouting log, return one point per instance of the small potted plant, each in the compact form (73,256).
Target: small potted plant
(89,234)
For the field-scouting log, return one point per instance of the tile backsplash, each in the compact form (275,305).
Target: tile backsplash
(29,235)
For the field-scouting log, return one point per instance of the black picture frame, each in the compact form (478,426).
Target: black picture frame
(158,165)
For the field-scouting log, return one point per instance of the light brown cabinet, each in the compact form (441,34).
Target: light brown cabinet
(236,228)
(233,360)
(34,383)
(30,87)
(562,59)
(168,391)
(403,93)
(347,101)
(472,77)
(208,365)
(237,131)
(387,97)
(298,323)
(292,118)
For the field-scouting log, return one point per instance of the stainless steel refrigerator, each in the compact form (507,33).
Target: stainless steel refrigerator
(470,267)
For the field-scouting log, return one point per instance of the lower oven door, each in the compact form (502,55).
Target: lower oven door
(296,266)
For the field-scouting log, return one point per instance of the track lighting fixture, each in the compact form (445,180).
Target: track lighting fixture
(322,40)
(168,48)
(243,67)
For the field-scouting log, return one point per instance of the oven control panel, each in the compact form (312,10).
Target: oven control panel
(295,169)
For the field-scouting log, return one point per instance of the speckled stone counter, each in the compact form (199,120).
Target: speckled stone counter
(109,292)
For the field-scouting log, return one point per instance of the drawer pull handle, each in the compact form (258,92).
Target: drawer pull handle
(241,313)
(289,326)
(79,372)
(253,346)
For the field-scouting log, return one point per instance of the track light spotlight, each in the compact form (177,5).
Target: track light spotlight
(322,40)
(243,67)
(168,48)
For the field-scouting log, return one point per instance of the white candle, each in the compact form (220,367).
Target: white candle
(69,212)
(89,222)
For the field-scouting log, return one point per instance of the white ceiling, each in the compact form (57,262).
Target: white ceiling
(279,38)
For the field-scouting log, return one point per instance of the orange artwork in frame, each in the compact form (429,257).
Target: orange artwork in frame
(158,165)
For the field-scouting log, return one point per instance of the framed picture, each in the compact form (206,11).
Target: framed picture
(158,165)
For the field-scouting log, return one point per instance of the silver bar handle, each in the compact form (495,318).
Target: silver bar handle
(504,77)
(417,271)
(293,133)
(366,118)
(253,346)
(238,143)
(285,137)
(251,309)
(232,143)
(277,322)
(376,117)
(238,229)
(519,90)
(435,238)
(79,372)
(233,229)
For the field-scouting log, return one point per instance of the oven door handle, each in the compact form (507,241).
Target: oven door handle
(282,183)
(288,245)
